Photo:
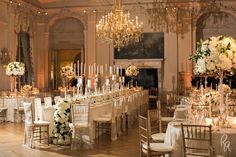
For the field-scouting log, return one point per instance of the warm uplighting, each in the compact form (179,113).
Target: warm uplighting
(119,28)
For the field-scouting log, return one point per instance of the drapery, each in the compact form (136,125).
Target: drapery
(24,55)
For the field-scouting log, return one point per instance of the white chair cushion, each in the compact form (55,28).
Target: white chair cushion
(41,122)
(158,137)
(102,119)
(80,125)
(166,119)
(3,108)
(19,108)
(159,147)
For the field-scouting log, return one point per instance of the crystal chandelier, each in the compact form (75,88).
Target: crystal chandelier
(119,28)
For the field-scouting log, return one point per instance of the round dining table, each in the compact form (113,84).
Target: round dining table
(223,139)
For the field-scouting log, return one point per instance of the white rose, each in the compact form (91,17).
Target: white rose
(230,54)
(201,66)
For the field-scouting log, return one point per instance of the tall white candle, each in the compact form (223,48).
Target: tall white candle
(97,69)
(89,83)
(101,69)
(113,77)
(110,70)
(117,70)
(105,69)
(107,81)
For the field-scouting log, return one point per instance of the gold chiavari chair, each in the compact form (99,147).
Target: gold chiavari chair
(80,124)
(154,123)
(3,110)
(197,140)
(148,148)
(34,130)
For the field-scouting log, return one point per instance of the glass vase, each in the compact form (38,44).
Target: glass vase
(221,92)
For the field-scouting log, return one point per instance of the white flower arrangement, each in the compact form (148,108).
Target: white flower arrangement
(28,89)
(62,118)
(212,98)
(225,87)
(15,69)
(131,71)
(67,72)
(214,55)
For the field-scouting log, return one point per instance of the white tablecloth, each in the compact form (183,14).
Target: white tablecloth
(174,138)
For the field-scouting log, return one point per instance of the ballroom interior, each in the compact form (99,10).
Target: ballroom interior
(117,78)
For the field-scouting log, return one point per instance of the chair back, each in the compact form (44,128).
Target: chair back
(28,110)
(197,139)
(154,120)
(143,132)
(48,101)
(38,109)
(80,114)
(57,99)
(153,93)
(2,102)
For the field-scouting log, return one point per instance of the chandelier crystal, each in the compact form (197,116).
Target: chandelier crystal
(119,28)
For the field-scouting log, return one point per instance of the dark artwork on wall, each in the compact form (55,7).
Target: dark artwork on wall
(150,47)
(146,78)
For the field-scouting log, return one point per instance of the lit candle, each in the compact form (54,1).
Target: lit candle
(81,69)
(105,69)
(107,81)
(89,83)
(101,69)
(117,70)
(110,70)
(97,69)
(113,77)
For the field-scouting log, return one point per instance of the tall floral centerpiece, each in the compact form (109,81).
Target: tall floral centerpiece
(15,69)
(131,71)
(61,131)
(67,74)
(216,56)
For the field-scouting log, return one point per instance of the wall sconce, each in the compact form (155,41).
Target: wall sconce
(4,56)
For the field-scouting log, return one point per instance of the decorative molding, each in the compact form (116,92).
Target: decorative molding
(140,63)
(66,13)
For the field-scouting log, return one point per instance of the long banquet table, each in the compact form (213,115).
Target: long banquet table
(130,103)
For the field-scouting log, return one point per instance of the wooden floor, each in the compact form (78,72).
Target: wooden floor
(11,145)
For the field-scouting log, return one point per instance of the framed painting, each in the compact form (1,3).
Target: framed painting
(150,47)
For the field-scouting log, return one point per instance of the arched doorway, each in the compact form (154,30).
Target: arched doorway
(66,44)
(215,24)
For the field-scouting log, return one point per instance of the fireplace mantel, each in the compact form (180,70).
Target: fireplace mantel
(140,63)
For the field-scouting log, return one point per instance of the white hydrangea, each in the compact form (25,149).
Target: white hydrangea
(131,71)
(214,55)
(15,69)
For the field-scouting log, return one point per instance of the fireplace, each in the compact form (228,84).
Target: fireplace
(147,78)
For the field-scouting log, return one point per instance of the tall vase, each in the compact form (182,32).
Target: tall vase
(132,82)
(221,91)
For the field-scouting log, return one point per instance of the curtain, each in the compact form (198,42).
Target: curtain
(24,55)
